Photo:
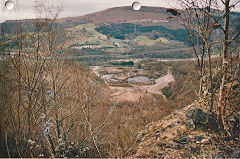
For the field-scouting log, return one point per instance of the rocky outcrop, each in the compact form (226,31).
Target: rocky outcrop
(201,118)
(186,133)
(197,115)
(190,124)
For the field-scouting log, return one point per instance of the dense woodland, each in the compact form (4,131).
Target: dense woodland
(121,31)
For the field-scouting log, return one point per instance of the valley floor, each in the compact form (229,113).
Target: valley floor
(132,92)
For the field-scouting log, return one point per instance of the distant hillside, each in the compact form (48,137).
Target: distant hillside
(145,16)
(123,30)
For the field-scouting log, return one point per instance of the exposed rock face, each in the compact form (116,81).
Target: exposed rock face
(184,140)
(198,138)
(190,124)
(182,134)
(197,116)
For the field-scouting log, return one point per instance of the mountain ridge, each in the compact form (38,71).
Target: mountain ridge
(146,16)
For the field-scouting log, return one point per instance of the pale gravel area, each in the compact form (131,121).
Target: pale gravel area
(136,92)
(133,94)
(160,84)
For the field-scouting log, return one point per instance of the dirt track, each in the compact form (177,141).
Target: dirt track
(160,84)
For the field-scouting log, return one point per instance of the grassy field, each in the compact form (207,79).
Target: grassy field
(105,49)
(143,40)
(85,34)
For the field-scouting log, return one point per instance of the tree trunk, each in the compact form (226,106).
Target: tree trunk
(223,87)
(202,69)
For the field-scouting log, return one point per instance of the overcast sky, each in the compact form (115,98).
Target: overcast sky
(24,8)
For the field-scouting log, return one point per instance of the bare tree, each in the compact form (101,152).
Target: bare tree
(52,106)
(207,20)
